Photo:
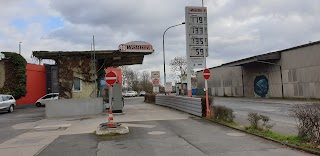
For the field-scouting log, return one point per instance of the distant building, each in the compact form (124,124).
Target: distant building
(77,75)
(288,73)
(35,81)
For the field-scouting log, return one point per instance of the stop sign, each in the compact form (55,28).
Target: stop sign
(111,78)
(206,73)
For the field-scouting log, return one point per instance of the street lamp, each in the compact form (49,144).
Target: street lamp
(164,58)
(20,48)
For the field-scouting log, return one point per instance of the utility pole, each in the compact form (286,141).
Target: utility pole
(94,67)
(20,48)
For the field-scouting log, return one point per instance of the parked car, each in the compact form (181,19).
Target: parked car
(7,102)
(130,94)
(48,97)
(142,93)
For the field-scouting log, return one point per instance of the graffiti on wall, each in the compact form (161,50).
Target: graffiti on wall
(261,85)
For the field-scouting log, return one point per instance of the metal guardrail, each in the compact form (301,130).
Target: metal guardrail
(186,104)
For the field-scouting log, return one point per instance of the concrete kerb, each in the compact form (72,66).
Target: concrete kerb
(104,130)
(270,139)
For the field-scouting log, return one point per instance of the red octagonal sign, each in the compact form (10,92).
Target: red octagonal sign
(206,73)
(111,78)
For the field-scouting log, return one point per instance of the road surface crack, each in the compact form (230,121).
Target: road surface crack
(198,148)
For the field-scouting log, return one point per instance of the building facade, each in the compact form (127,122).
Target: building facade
(35,82)
(288,73)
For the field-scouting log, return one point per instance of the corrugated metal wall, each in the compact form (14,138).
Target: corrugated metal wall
(301,72)
(224,81)
(300,75)
(270,71)
(186,104)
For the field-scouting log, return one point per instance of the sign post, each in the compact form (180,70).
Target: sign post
(168,87)
(155,77)
(206,75)
(197,40)
(111,78)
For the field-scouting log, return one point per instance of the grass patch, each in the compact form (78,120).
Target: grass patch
(287,139)
(108,135)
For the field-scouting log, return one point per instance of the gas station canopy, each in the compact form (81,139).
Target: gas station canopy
(128,54)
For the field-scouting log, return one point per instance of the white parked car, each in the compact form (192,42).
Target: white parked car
(142,93)
(131,94)
(7,102)
(48,97)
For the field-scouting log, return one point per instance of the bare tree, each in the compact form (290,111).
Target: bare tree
(125,71)
(145,82)
(179,66)
(130,78)
(133,80)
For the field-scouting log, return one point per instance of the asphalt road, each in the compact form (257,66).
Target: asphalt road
(191,136)
(277,110)
(20,115)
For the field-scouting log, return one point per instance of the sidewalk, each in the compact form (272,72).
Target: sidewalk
(154,130)
(43,132)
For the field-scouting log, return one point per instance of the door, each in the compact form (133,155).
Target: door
(2,103)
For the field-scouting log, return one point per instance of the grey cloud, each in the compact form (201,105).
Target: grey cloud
(237,29)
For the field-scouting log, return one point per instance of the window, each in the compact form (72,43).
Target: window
(77,85)
(5,98)
(47,97)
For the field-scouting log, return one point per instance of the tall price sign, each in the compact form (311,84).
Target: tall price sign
(196,35)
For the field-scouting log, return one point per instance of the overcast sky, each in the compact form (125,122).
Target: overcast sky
(237,29)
